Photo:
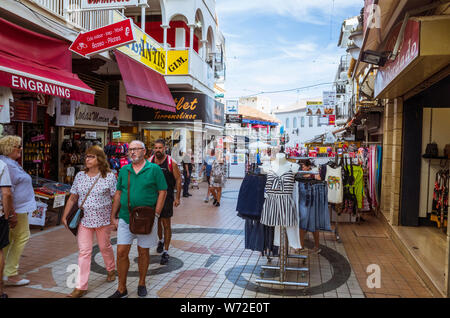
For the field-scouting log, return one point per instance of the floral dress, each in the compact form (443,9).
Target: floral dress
(217,174)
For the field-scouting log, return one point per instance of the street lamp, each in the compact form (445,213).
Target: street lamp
(373,57)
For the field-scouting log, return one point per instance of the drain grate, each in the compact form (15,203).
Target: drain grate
(361,233)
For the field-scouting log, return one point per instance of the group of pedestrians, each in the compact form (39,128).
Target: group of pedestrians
(149,183)
(106,201)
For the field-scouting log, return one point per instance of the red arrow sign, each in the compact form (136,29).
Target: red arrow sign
(104,38)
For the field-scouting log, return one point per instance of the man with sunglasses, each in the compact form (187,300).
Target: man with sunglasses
(148,187)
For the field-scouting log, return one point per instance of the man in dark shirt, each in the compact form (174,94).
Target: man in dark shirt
(173,179)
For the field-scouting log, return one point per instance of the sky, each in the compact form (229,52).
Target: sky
(282,44)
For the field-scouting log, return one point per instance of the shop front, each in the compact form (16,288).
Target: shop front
(90,127)
(196,126)
(35,75)
(415,178)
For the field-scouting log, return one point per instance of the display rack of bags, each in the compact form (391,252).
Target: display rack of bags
(439,212)
(117,153)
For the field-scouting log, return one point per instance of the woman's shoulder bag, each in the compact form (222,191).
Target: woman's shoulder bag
(76,213)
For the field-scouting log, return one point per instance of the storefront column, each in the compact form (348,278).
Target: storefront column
(397,131)
(165,27)
(203,43)
(191,45)
(387,159)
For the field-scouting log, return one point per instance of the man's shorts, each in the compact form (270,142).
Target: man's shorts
(125,237)
(4,232)
(167,211)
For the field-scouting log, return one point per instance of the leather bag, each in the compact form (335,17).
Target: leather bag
(447,151)
(76,213)
(431,150)
(141,217)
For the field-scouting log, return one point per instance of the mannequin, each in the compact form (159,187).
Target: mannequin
(280,165)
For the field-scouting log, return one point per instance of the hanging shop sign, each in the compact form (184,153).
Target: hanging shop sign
(107,4)
(23,111)
(409,51)
(104,38)
(96,116)
(323,120)
(189,107)
(234,119)
(329,102)
(314,108)
(91,135)
(117,134)
(232,106)
(145,49)
(332,120)
(177,62)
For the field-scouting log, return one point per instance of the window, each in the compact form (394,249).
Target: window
(310,121)
(302,121)
(294,124)
(287,122)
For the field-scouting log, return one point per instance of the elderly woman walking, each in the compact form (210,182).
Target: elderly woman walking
(23,203)
(97,215)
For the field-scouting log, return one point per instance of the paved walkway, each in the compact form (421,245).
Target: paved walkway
(208,259)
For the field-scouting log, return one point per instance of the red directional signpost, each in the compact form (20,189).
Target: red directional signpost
(104,38)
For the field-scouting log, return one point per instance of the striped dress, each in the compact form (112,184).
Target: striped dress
(279,207)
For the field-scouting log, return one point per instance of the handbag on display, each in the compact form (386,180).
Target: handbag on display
(141,217)
(431,150)
(447,151)
(76,213)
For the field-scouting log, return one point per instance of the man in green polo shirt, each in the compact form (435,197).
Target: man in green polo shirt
(148,187)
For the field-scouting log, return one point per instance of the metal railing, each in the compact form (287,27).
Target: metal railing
(69,10)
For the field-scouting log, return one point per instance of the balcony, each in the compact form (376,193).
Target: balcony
(196,70)
(198,73)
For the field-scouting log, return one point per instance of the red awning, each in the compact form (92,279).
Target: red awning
(36,63)
(258,126)
(144,86)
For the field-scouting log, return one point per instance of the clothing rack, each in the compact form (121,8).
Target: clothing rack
(283,264)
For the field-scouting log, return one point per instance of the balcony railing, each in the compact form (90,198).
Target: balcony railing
(69,10)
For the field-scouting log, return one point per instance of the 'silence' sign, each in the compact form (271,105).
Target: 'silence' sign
(95,4)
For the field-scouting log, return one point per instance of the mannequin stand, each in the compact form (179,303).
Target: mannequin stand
(283,267)
(331,207)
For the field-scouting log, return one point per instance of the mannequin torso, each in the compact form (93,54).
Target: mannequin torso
(280,165)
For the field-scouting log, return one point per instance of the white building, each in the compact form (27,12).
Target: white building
(261,103)
(298,126)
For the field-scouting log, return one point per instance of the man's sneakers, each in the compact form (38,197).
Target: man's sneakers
(118,294)
(160,247)
(164,258)
(206,200)
(142,291)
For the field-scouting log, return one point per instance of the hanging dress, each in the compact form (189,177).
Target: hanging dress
(279,207)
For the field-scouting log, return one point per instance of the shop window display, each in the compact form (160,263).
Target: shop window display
(73,148)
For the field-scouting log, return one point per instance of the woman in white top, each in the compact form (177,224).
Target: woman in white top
(97,215)
(23,203)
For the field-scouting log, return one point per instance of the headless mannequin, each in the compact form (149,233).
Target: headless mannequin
(280,165)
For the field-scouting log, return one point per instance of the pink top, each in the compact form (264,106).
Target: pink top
(98,206)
